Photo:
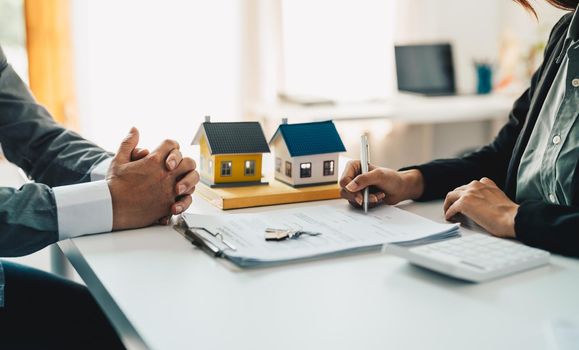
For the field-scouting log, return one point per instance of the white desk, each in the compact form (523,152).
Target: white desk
(163,293)
(410,109)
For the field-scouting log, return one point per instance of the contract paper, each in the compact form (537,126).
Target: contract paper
(343,229)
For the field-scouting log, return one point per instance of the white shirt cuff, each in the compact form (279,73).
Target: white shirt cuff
(83,208)
(99,172)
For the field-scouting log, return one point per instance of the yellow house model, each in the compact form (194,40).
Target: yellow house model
(231,153)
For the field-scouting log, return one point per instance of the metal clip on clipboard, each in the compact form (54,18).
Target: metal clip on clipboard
(212,243)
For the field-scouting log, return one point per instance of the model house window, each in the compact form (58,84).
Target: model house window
(210,165)
(249,167)
(226,168)
(202,163)
(288,169)
(306,170)
(278,165)
(328,167)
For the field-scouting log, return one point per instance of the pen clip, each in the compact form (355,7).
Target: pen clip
(364,153)
(365,166)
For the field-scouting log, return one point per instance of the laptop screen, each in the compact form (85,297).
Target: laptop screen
(425,69)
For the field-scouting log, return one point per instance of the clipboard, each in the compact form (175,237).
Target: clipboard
(211,243)
(240,238)
(214,246)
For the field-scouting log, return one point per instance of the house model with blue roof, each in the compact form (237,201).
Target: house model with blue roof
(231,153)
(306,154)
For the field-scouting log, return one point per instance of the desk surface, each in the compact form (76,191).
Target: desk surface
(162,293)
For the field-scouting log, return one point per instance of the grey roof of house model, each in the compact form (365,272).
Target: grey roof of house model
(234,137)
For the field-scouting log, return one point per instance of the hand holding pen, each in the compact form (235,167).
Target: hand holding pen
(385,185)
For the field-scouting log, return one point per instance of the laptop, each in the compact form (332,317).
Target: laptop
(426,69)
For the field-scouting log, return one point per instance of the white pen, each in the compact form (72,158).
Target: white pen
(364,161)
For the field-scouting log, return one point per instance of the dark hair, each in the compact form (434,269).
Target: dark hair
(562,4)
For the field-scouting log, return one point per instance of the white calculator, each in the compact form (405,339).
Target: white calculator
(476,257)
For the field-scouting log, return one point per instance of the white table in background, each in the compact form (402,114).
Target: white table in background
(163,293)
(405,129)
(411,109)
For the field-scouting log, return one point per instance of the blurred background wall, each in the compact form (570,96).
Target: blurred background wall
(163,65)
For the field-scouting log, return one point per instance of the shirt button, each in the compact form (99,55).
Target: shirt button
(552,198)
(556,139)
(575,82)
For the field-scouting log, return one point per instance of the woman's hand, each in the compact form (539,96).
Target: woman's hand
(387,185)
(485,204)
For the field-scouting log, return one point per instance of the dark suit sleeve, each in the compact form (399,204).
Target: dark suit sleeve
(548,226)
(28,219)
(537,223)
(48,153)
(492,161)
(444,175)
(31,139)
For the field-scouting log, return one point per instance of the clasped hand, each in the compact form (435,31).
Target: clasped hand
(148,187)
(482,201)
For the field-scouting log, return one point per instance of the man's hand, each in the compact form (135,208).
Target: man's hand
(186,186)
(485,204)
(386,185)
(145,185)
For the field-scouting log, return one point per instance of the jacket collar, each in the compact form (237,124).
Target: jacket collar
(573,32)
(572,36)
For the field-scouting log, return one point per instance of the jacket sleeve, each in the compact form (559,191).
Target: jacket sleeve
(548,226)
(28,219)
(31,139)
(537,223)
(49,154)
(443,175)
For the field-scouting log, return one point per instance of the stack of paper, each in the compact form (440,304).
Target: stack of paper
(240,237)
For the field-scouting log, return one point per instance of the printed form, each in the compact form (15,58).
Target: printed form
(342,229)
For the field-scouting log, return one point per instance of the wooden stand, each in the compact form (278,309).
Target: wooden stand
(256,196)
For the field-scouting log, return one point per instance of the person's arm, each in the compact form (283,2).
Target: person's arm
(31,139)
(548,226)
(136,193)
(36,215)
(492,161)
(140,188)
(28,221)
(443,175)
(29,217)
